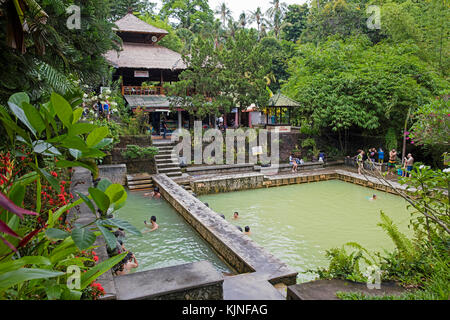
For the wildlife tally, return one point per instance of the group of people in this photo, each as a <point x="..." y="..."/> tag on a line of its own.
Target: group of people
<point x="295" y="162"/>
<point x="235" y="217"/>
<point x="246" y="228"/>
<point x="102" y="110"/>
<point x="129" y="262"/>
<point x="373" y="155"/>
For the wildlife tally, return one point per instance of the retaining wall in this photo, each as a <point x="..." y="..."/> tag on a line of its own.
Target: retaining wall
<point x="116" y="173"/>
<point x="228" y="183"/>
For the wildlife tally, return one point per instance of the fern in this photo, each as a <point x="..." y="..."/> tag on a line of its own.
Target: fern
<point x="52" y="78"/>
<point x="403" y="244"/>
<point x="357" y="246"/>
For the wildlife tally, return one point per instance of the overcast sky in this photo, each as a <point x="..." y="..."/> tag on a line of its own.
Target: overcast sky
<point x="237" y="6"/>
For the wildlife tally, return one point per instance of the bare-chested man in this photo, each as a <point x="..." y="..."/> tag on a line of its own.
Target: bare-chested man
<point x="409" y="161"/>
<point x="152" y="226"/>
<point x="392" y="161"/>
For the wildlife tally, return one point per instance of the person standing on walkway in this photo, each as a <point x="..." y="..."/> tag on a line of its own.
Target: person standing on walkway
<point x="392" y="161"/>
<point x="360" y="160"/>
<point x="164" y="126"/>
<point x="409" y="161"/>
<point x="380" y="155"/>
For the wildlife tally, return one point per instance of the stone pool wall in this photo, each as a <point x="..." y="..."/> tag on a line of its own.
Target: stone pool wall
<point x="365" y="181"/>
<point x="237" y="249"/>
<point x="116" y="173"/>
<point x="227" y="183"/>
<point x="245" y="181"/>
<point x="191" y="281"/>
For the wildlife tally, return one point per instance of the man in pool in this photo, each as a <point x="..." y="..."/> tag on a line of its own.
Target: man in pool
<point x="374" y="197"/>
<point x="152" y="226"/>
<point x="247" y="230"/>
<point x="155" y="194"/>
<point x="236" y="215"/>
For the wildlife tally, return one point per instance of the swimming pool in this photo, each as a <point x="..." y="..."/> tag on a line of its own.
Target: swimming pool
<point x="174" y="243"/>
<point x="298" y="223"/>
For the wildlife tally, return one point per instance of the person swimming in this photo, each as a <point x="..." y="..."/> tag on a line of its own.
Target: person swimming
<point x="374" y="197"/>
<point x="236" y="215"/>
<point x="152" y="226"/>
<point x="247" y="230"/>
<point x="155" y="194"/>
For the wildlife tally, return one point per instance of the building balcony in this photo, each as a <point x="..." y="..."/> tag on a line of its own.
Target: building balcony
<point x="143" y="90"/>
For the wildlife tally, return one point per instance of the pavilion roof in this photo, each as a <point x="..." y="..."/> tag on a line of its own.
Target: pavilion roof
<point x="145" y="56"/>
<point x="280" y="100"/>
<point x="131" y="23"/>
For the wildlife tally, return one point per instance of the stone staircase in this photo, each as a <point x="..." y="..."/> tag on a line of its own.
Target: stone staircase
<point x="163" y="161"/>
<point x="140" y="181"/>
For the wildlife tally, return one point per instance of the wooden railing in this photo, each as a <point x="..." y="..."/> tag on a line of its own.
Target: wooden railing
<point x="142" y="90"/>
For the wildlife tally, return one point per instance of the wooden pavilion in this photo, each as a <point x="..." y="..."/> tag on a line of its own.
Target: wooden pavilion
<point x="141" y="60"/>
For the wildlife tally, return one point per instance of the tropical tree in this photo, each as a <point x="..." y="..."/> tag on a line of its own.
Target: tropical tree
<point x="245" y="63"/>
<point x="257" y="16"/>
<point x="295" y="22"/>
<point x="352" y="85"/>
<point x="200" y="86"/>
<point x="119" y="8"/>
<point x="243" y="20"/>
<point x="224" y="12"/>
<point x="276" y="15"/>
<point x="53" y="50"/>
<point x="172" y="40"/>
<point x="189" y="14"/>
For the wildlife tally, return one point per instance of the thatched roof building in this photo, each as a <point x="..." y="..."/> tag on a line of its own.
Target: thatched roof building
<point x="142" y="58"/>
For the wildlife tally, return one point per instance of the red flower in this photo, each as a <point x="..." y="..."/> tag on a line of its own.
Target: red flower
<point x="53" y="173"/>
<point x="94" y="253"/>
<point x="95" y="258"/>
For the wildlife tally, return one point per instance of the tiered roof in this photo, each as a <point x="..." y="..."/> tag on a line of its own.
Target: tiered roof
<point x="143" y="55"/>
<point x="131" y="23"/>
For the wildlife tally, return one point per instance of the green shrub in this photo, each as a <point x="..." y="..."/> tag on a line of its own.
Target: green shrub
<point x="136" y="152"/>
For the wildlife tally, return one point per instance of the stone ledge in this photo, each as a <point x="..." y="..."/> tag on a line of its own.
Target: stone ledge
<point x="176" y="281"/>
<point x="219" y="167"/>
<point x="326" y="289"/>
<point x="229" y="176"/>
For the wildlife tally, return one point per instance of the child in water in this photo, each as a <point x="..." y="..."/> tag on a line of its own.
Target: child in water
<point x="374" y="197"/>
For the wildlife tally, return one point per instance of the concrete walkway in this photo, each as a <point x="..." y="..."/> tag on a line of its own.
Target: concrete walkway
<point x="249" y="287"/>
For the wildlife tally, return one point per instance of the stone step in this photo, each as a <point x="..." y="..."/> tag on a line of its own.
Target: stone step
<point x="168" y="164"/>
<point x="140" y="187"/>
<point x="136" y="183"/>
<point x="164" y="152"/>
<point x="165" y="148"/>
<point x="138" y="177"/>
<point x="163" y="156"/>
<point x="174" y="174"/>
<point x="164" y="144"/>
<point x="167" y="170"/>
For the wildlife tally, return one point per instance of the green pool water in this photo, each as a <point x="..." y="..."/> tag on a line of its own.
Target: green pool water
<point x="298" y="223"/>
<point x="173" y="243"/>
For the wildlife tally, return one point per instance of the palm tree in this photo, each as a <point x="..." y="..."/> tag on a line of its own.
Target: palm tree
<point x="224" y="12"/>
<point x="257" y="16"/>
<point x="215" y="31"/>
<point x="242" y="20"/>
<point x="233" y="26"/>
<point x="276" y="14"/>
